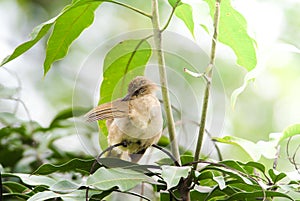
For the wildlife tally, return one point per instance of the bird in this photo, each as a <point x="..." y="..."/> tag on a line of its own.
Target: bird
<point x="135" y="120"/>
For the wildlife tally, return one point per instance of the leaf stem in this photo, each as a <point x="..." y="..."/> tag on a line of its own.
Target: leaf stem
<point x="208" y="84"/>
<point x="79" y="3"/>
<point x="171" y="15"/>
<point x="129" y="7"/>
<point x="163" y="80"/>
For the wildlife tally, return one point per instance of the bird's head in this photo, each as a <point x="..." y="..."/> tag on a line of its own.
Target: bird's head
<point x="140" y="86"/>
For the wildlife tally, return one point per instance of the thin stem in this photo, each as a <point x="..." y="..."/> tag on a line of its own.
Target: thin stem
<point x="126" y="6"/>
<point x="208" y="84"/>
<point x="133" y="53"/>
<point x="275" y="163"/>
<point x="220" y="157"/>
<point x="202" y="123"/>
<point x="292" y="159"/>
<point x="166" y="152"/>
<point x="134" y="194"/>
<point x="171" y="15"/>
<point x="163" y="80"/>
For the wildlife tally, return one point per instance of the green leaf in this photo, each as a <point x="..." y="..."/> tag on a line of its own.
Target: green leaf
<point x="290" y="132"/>
<point x="217" y="194"/>
<point x="250" y="76"/>
<point x="172" y="174"/>
<point x="186" y="159"/>
<point x="276" y="176"/>
<point x="67" y="28"/>
<point x="67" y="113"/>
<point x="45" y="195"/>
<point x="118" y="163"/>
<point x="249" y="147"/>
<point x="124" y="179"/>
<point x="203" y="175"/>
<point x="257" y="195"/>
<point x="239" y="186"/>
<point x="174" y="3"/>
<point x="234" y="165"/>
<point x="220" y="181"/>
<point x="77" y="195"/>
<point x="64" y="186"/>
<point x="185" y="13"/>
<point x="233" y="173"/>
<point x="233" y="32"/>
<point x="256" y="165"/>
<point x="122" y="63"/>
<point x="163" y="141"/>
<point x="100" y="196"/>
<point x="198" y="196"/>
<point x="75" y="164"/>
<point x="14" y="187"/>
<point x="165" y="161"/>
<point x="37" y="33"/>
<point x="32" y="180"/>
<point x="13" y="196"/>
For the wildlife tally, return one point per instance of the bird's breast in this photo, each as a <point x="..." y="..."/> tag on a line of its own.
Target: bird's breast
<point x="144" y="120"/>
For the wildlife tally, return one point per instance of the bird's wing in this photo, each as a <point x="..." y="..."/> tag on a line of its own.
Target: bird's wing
<point x="111" y="110"/>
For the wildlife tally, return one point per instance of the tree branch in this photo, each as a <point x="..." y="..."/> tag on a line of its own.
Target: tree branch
<point x="163" y="80"/>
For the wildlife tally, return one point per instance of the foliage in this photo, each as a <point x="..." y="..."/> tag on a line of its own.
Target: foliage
<point x="29" y="175"/>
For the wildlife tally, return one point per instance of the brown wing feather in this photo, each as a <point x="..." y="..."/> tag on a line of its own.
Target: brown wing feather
<point x="111" y="110"/>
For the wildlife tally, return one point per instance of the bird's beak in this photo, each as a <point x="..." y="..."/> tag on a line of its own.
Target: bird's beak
<point x="127" y="97"/>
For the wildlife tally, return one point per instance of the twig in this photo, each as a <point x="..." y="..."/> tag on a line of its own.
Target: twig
<point x="163" y="80"/>
<point x="220" y="157"/>
<point x="172" y="195"/>
<point x="103" y="152"/>
<point x="292" y="159"/>
<point x="275" y="163"/>
<point x="134" y="194"/>
<point x="14" y="74"/>
<point x="168" y="153"/>
<point x="208" y="84"/>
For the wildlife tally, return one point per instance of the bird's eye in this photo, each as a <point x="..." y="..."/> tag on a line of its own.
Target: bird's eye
<point x="139" y="91"/>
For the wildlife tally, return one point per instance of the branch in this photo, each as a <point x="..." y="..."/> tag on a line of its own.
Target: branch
<point x="163" y="80"/>
<point x="208" y="84"/>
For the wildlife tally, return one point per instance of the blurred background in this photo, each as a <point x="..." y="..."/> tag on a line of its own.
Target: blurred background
<point x="269" y="104"/>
